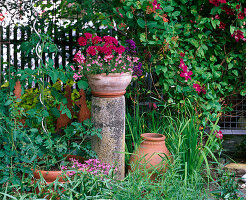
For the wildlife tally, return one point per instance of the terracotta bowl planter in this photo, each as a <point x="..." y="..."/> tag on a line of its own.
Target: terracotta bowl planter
<point x="151" y="153"/>
<point x="111" y="85"/>
<point x="51" y="176"/>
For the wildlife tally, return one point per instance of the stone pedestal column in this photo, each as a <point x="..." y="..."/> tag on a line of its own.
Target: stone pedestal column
<point x="109" y="115"/>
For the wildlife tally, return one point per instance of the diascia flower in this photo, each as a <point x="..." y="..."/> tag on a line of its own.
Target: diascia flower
<point x="103" y="55"/>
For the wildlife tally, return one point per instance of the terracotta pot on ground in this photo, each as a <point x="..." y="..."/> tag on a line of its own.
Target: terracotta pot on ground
<point x="151" y="153"/>
<point x="111" y="85"/>
<point x="50" y="176"/>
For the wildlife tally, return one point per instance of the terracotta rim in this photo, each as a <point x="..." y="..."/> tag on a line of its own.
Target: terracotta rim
<point x="108" y="94"/>
<point x="153" y="136"/>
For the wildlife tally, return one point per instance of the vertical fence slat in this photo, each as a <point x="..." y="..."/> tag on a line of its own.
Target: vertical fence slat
<point x="70" y="45"/>
<point x="15" y="48"/>
<point x="63" y="47"/>
<point x="8" y="48"/>
<point x="1" y="54"/>
<point x="22" y="54"/>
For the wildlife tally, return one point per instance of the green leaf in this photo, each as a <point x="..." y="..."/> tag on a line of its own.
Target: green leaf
<point x="168" y="9"/>
<point x="243" y="92"/>
<point x="235" y="72"/>
<point x="230" y="66"/>
<point x="151" y="24"/>
<point x="54" y="76"/>
<point x="82" y="85"/>
<point x="232" y="29"/>
<point x="176" y="13"/>
<point x="141" y="22"/>
<point x="129" y="14"/>
<point x="52" y="48"/>
<point x="55" y="112"/>
<point x="194" y="42"/>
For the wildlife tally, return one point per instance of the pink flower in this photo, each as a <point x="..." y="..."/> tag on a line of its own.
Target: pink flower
<point x="155" y="5"/>
<point x="216" y="16"/>
<point x="240" y="15"/>
<point x="237" y="6"/>
<point x="88" y="35"/>
<point x="72" y="67"/>
<point x="186" y="75"/>
<point x="82" y="41"/>
<point x="219" y="134"/>
<point x="197" y="87"/>
<point x="182" y="54"/>
<point x="79" y="58"/>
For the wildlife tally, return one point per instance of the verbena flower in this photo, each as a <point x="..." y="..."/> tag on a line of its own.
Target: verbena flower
<point x="103" y="55"/>
<point x="137" y="70"/>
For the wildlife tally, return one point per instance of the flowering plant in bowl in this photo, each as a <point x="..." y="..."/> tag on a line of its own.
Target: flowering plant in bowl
<point x="107" y="65"/>
<point x="92" y="166"/>
<point x="102" y="55"/>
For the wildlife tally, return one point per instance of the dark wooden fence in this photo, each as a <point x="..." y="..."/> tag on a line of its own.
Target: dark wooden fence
<point x="12" y="37"/>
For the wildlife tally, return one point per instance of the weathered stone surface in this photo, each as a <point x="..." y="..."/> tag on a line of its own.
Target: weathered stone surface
<point x="239" y="168"/>
<point x="109" y="115"/>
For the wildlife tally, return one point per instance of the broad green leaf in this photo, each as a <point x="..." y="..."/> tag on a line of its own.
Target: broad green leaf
<point x="129" y="14"/>
<point x="235" y="72"/>
<point x="141" y="22"/>
<point x="168" y="9"/>
<point x="230" y="66"/>
<point x="151" y="24"/>
<point x="82" y="85"/>
<point x="176" y="13"/>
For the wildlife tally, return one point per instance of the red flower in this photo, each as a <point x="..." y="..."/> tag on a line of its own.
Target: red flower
<point x="197" y="87"/>
<point x="82" y="41"/>
<point x="238" y="35"/>
<point x="88" y="35"/>
<point x="203" y="89"/>
<point x="91" y="50"/>
<point x="96" y="39"/>
<point x="110" y="40"/>
<point x="238" y="6"/>
<point x="120" y="49"/>
<point x="222" y="25"/>
<point x="240" y="15"/>
<point x="182" y="54"/>
<point x="228" y="11"/>
<point x="217" y="2"/>
<point x="1" y="17"/>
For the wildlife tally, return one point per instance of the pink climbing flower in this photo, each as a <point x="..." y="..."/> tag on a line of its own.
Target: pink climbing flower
<point x="219" y="134"/>
<point x="186" y="75"/>
<point x="156" y="5"/>
<point x="197" y="87"/>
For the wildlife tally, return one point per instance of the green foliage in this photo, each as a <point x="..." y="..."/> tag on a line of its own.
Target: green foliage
<point x="226" y="185"/>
